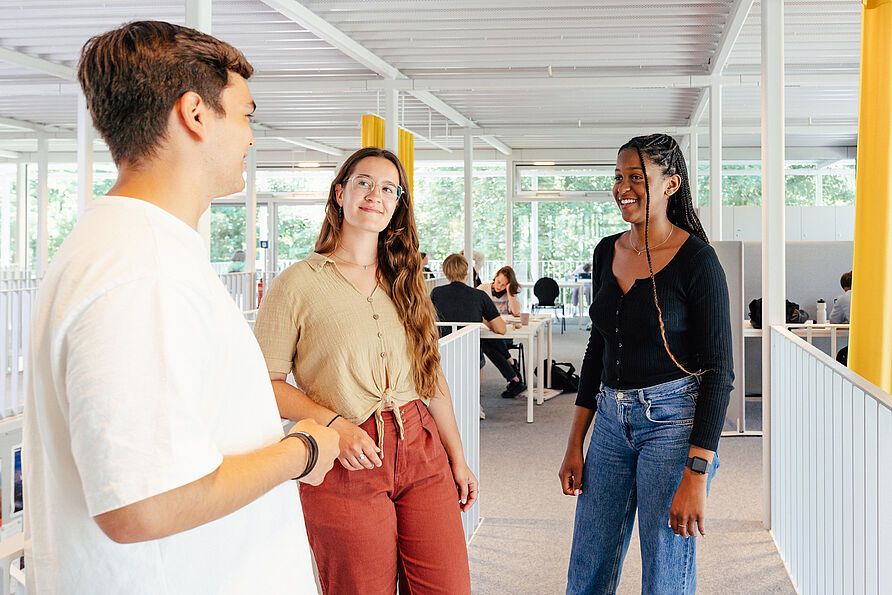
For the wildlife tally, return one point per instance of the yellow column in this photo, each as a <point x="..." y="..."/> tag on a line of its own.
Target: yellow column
<point x="372" y="131"/>
<point x="407" y="157"/>
<point x="870" y="346"/>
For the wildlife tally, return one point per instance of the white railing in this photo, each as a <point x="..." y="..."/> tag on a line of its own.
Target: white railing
<point x="460" y="360"/>
<point x="241" y="287"/>
<point x="15" y="318"/>
<point x="831" y="471"/>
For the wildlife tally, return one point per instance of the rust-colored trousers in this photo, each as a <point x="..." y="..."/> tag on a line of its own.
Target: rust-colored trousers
<point x="403" y="518"/>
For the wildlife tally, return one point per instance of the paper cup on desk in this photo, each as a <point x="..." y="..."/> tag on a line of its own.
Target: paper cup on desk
<point x="524" y="318"/>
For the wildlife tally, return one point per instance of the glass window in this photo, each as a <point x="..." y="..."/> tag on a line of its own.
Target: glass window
<point x="295" y="180"/>
<point x="839" y="190"/>
<point x="565" y="178"/>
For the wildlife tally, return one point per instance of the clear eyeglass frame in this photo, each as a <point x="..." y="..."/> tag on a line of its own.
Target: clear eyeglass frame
<point x="366" y="185"/>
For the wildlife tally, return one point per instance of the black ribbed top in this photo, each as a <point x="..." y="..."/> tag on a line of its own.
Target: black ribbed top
<point x="626" y="351"/>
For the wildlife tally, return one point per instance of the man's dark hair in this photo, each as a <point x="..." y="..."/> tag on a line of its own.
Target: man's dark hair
<point x="846" y="281"/>
<point x="133" y="75"/>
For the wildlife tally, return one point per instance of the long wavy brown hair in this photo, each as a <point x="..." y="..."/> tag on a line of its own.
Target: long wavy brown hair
<point x="399" y="269"/>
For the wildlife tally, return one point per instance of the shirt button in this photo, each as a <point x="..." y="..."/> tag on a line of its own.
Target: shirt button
<point x="369" y="299"/>
<point x="617" y="312"/>
<point x="383" y="354"/>
<point x="617" y="329"/>
<point x="375" y="316"/>
<point x="380" y="334"/>
<point x="617" y="362"/>
<point x="620" y="344"/>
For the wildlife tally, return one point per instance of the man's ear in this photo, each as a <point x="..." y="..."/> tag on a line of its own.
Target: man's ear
<point x="192" y="113"/>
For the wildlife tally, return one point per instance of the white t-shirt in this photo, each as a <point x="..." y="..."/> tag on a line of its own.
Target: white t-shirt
<point x="143" y="375"/>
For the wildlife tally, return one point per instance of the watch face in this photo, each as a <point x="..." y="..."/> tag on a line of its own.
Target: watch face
<point x="699" y="465"/>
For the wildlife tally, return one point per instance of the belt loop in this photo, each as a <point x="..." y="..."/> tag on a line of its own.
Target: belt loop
<point x="641" y="397"/>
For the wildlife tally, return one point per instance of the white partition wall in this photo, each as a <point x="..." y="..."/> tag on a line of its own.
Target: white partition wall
<point x="460" y="360"/>
<point x="831" y="471"/>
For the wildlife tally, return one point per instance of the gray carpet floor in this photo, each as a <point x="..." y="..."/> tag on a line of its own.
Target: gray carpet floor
<point x="523" y="543"/>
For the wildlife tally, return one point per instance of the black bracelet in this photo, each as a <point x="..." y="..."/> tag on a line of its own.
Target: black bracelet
<point x="312" y="451"/>
<point x="328" y="425"/>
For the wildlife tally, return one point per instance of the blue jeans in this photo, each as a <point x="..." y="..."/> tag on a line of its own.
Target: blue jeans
<point x="635" y="461"/>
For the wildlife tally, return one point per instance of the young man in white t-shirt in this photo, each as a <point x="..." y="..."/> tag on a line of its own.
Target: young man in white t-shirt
<point x="154" y="455"/>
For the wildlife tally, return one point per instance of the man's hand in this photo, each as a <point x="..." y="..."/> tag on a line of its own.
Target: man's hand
<point x="356" y="449"/>
<point x="327" y="441"/>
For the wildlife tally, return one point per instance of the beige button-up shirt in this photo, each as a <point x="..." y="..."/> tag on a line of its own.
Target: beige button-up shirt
<point x="348" y="351"/>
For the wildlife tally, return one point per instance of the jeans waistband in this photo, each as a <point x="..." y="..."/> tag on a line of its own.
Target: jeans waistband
<point x="664" y="390"/>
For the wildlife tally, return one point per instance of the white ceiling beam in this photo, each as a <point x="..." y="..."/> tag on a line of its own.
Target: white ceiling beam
<point x="309" y="87"/>
<point x="327" y="32"/>
<point x="731" y="31"/>
<point x="343" y="42"/>
<point x="38" y="64"/>
<point x="700" y="108"/>
<point x="261" y="131"/>
<point x="9" y="154"/>
<point x="26" y="125"/>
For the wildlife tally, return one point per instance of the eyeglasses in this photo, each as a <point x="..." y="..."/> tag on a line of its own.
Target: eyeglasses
<point x="366" y="185"/>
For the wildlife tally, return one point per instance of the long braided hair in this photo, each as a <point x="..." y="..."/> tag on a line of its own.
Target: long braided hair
<point x="663" y="151"/>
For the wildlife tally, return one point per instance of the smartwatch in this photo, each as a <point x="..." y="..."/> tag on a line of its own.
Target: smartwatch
<point x="697" y="465"/>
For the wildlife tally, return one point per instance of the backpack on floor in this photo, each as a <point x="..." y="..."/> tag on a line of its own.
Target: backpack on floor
<point x="564" y="378"/>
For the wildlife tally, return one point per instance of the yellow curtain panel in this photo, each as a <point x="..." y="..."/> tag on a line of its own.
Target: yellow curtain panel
<point x="407" y="157"/>
<point x="870" y="346"/>
<point x="372" y="131"/>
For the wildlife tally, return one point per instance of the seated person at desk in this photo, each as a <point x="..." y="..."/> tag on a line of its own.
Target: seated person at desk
<point x="503" y="292"/>
<point x="583" y="271"/>
<point x="841" y="305"/>
<point x="457" y="302"/>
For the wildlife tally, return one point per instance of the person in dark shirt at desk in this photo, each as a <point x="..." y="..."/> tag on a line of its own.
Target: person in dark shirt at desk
<point x="458" y="302"/>
<point x="658" y="371"/>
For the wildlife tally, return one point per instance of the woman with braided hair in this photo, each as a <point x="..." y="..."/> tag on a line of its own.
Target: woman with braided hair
<point x="658" y="371"/>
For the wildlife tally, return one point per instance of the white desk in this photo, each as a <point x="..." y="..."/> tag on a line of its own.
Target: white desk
<point x="807" y="331"/>
<point x="533" y="335"/>
<point x="580" y="285"/>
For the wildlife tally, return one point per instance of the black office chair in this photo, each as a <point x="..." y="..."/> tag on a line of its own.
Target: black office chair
<point x="546" y="291"/>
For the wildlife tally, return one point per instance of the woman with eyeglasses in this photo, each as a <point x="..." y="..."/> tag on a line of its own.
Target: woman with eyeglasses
<point x="658" y="372"/>
<point x="354" y="323"/>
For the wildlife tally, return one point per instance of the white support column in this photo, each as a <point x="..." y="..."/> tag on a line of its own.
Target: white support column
<point x="509" y="212"/>
<point x="198" y="16"/>
<point x="715" y="161"/>
<point x="694" y="169"/>
<point x="84" y="155"/>
<point x="251" y="224"/>
<point x="773" y="233"/>
<point x="534" y="241"/>
<point x="5" y="218"/>
<point x="391" y="120"/>
<point x="469" y="205"/>
<point x="21" y="216"/>
<point x="272" y="234"/>
<point x="43" y="197"/>
<point x="819" y="190"/>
